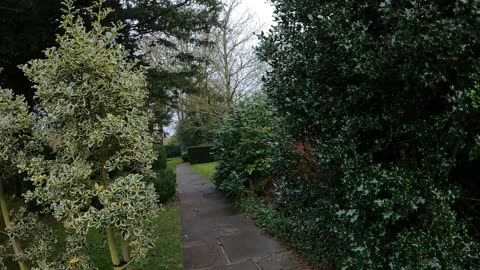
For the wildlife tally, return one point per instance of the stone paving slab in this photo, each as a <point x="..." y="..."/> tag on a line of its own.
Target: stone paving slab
<point x="202" y="254"/>
<point x="249" y="244"/>
<point x="217" y="236"/>
<point x="248" y="265"/>
<point x="280" y="261"/>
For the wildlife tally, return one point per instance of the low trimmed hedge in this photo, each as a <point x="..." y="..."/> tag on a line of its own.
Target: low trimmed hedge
<point x="173" y="151"/>
<point x="200" y="153"/>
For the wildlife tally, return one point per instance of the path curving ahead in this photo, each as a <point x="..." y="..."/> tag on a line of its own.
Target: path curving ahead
<point x="217" y="236"/>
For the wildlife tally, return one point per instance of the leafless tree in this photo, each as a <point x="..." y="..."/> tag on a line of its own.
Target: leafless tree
<point x="235" y="71"/>
<point x="231" y="73"/>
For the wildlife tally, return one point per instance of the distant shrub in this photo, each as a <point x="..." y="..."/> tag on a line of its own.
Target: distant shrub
<point x="165" y="183"/>
<point x="161" y="162"/>
<point x="184" y="156"/>
<point x="200" y="153"/>
<point x="173" y="151"/>
<point x="242" y="147"/>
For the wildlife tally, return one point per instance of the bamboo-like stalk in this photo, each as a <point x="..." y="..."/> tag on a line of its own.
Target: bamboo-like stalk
<point x="113" y="249"/>
<point x="126" y="253"/>
<point x="15" y="243"/>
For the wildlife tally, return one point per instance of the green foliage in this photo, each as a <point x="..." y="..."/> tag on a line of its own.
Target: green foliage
<point x="16" y="144"/>
<point x="93" y="99"/>
<point x="165" y="183"/>
<point x="269" y="218"/>
<point x="475" y="92"/>
<point x="173" y="151"/>
<point x="173" y="20"/>
<point x="185" y="156"/>
<point x="378" y="153"/>
<point x="28" y="28"/>
<point x="167" y="240"/>
<point x="15" y="131"/>
<point x="200" y="154"/>
<point x="161" y="162"/>
<point x="26" y="228"/>
<point x="242" y="148"/>
<point x="167" y="254"/>
<point x="195" y="130"/>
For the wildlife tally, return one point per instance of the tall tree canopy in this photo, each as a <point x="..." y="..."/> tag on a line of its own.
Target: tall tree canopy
<point x="28" y="27"/>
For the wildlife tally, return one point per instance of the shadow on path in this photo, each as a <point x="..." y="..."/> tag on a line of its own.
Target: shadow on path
<point x="217" y="236"/>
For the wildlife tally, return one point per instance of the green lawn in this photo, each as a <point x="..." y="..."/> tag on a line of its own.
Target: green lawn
<point x="167" y="253"/>
<point x="206" y="169"/>
<point x="173" y="162"/>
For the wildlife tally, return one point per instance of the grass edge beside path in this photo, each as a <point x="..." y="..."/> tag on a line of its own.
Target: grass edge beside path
<point x="173" y="162"/>
<point x="207" y="170"/>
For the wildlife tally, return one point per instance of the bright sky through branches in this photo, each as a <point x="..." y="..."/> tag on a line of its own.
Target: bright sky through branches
<point x="262" y="10"/>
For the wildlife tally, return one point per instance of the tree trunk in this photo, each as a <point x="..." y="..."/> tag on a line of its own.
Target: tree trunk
<point x="110" y="239"/>
<point x="125" y="252"/>
<point x="15" y="243"/>
<point x="113" y="249"/>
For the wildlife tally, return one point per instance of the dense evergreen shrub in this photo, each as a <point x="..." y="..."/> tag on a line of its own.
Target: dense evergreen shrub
<point x="173" y="151"/>
<point x="161" y="162"/>
<point x="242" y="146"/>
<point x="200" y="154"/>
<point x="184" y="156"/>
<point x="378" y="167"/>
<point x="165" y="183"/>
<point x="190" y="130"/>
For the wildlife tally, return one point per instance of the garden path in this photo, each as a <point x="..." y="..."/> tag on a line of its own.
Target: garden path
<point x="217" y="236"/>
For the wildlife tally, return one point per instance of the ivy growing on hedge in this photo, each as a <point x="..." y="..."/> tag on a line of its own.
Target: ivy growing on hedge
<point x="377" y="162"/>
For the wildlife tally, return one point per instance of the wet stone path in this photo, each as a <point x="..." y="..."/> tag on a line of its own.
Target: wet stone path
<point x="217" y="236"/>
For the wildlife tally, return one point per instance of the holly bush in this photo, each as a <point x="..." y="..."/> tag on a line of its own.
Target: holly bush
<point x="379" y="165"/>
<point x="93" y="100"/>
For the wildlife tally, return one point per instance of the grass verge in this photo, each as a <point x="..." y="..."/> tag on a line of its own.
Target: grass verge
<point x="173" y="162"/>
<point x="206" y="169"/>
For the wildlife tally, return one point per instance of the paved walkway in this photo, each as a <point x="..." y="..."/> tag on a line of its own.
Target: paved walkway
<point x="217" y="236"/>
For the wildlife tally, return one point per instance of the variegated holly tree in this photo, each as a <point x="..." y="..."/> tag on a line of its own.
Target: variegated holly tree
<point x="93" y="99"/>
<point x="15" y="127"/>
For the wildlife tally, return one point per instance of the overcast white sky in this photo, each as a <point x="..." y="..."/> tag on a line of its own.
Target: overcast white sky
<point x="261" y="9"/>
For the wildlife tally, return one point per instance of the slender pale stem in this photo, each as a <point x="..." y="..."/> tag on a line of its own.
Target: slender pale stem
<point x="110" y="239"/>
<point x="113" y="249"/>
<point x="15" y="243"/>
<point x="125" y="252"/>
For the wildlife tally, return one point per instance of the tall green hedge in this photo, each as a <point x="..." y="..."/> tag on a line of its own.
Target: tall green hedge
<point x="173" y="151"/>
<point x="200" y="153"/>
<point x="379" y="163"/>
